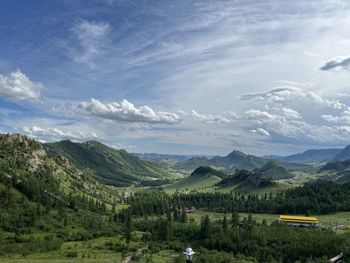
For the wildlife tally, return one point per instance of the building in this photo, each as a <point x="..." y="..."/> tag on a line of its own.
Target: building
<point x="190" y="209"/>
<point x="299" y="221"/>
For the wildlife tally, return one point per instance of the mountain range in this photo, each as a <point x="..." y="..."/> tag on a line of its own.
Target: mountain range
<point x="110" y="166"/>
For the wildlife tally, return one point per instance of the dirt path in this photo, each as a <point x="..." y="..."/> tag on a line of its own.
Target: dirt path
<point x="138" y="253"/>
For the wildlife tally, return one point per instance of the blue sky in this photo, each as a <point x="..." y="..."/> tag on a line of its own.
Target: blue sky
<point x="184" y="77"/>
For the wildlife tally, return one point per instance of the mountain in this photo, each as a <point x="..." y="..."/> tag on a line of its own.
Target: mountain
<point x="343" y="154"/>
<point x="314" y="156"/>
<point x="110" y="166"/>
<point x="49" y="198"/>
<point x="274" y="171"/>
<point x="28" y="165"/>
<point x="201" y="179"/>
<point x="203" y="171"/>
<point x="170" y="157"/>
<point x="244" y="178"/>
<point x="234" y="160"/>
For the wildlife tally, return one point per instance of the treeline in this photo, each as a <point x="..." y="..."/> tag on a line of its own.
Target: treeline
<point x="245" y="237"/>
<point x="320" y="197"/>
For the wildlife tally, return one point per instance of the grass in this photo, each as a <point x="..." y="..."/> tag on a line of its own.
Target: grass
<point x="95" y="250"/>
<point x="207" y="184"/>
<point x="199" y="183"/>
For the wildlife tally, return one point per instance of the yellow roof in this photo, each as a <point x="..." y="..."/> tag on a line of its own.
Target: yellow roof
<point x="306" y="219"/>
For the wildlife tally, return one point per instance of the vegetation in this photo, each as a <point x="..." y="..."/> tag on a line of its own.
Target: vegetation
<point x="51" y="208"/>
<point x="110" y="166"/>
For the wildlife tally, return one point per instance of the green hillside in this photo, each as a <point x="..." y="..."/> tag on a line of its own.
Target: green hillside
<point x="274" y="171"/>
<point x="202" y="179"/>
<point x="110" y="166"/>
<point x="46" y="200"/>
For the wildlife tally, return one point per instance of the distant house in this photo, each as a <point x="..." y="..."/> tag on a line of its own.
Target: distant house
<point x="190" y="209"/>
<point x="299" y="221"/>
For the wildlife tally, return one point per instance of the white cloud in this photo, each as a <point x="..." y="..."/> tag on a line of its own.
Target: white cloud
<point x="92" y="37"/>
<point x="340" y="63"/>
<point x="226" y="117"/>
<point x="290" y="113"/>
<point x="261" y="132"/>
<point x="127" y="112"/>
<point x="57" y="134"/>
<point x="17" y="86"/>
<point x="344" y="117"/>
<point x="258" y="115"/>
<point x="289" y="93"/>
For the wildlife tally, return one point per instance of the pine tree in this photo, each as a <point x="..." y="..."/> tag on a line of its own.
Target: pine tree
<point x="184" y="217"/>
<point x="127" y="228"/>
<point x="235" y="219"/>
<point x="224" y="224"/>
<point x="205" y="227"/>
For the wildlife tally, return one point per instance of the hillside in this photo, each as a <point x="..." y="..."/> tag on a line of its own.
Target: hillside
<point x="39" y="193"/>
<point x="343" y="155"/>
<point x="336" y="171"/>
<point x="110" y="166"/>
<point x="244" y="178"/>
<point x="313" y="156"/>
<point x="274" y="171"/>
<point x="201" y="179"/>
<point x="234" y="160"/>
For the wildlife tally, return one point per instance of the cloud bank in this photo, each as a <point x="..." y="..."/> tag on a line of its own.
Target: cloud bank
<point x="50" y="134"/>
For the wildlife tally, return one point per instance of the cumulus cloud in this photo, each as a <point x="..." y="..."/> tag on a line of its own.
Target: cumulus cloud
<point x="258" y="115"/>
<point x="226" y="117"/>
<point x="290" y="113"/>
<point x="288" y="93"/>
<point x="50" y="134"/>
<point x="126" y="111"/>
<point x="340" y="63"/>
<point x="261" y="132"/>
<point x="17" y="86"/>
<point x="92" y="37"/>
<point x="344" y="117"/>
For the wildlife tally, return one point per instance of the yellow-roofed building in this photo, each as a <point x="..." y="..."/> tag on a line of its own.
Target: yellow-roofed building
<point x="300" y="221"/>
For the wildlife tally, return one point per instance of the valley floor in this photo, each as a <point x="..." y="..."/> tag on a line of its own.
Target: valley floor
<point x="106" y="249"/>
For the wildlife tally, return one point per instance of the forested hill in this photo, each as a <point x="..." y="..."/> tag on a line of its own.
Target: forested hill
<point x="274" y="171"/>
<point x="115" y="167"/>
<point x="234" y="160"/>
<point x="46" y="200"/>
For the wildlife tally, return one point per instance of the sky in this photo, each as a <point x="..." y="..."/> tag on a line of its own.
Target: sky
<point x="181" y="77"/>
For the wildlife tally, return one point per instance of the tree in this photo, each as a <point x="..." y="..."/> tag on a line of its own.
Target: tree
<point x="235" y="219"/>
<point x="127" y="228"/>
<point x="224" y="224"/>
<point x="184" y="217"/>
<point x="205" y="227"/>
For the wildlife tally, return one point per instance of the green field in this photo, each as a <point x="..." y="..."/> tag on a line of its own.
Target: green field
<point x="208" y="183"/>
<point x="201" y="184"/>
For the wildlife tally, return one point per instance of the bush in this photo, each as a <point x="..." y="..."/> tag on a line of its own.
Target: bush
<point x="71" y="254"/>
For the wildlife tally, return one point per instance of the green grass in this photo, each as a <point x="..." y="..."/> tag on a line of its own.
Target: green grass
<point x="207" y="184"/>
<point x="203" y="183"/>
<point x="94" y="250"/>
